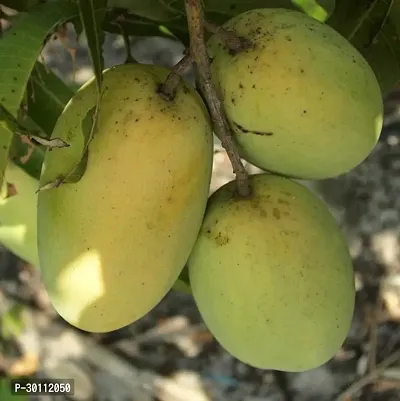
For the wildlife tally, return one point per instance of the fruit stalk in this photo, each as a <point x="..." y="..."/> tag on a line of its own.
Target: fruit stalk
<point x="195" y="18"/>
<point x="168" y="89"/>
<point x="235" y="43"/>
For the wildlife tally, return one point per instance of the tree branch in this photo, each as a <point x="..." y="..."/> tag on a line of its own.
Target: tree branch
<point x="370" y="377"/>
<point x="198" y="51"/>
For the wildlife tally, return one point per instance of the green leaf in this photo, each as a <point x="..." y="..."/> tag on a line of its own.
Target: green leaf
<point x="138" y="26"/>
<point x="92" y="14"/>
<point x="46" y="98"/>
<point x="21" y="46"/>
<point x="88" y="126"/>
<point x="142" y="17"/>
<point x="21" y="149"/>
<point x="26" y="154"/>
<point x="371" y="28"/>
<point x="19" y="5"/>
<point x="77" y="26"/>
<point x="156" y="10"/>
<point x="91" y="19"/>
<point x="5" y="391"/>
<point x="6" y="137"/>
<point x="320" y="10"/>
<point x="349" y="16"/>
<point x="221" y="10"/>
<point x="394" y="15"/>
<point x="182" y="284"/>
<point x="8" y="127"/>
<point x="12" y="322"/>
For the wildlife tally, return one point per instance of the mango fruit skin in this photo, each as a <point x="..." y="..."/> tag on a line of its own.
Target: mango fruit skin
<point x="18" y="218"/>
<point x="272" y="276"/>
<point x="18" y="223"/>
<point x="113" y="244"/>
<point x="302" y="102"/>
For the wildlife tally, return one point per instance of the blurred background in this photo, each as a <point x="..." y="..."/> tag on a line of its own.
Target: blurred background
<point x="169" y="355"/>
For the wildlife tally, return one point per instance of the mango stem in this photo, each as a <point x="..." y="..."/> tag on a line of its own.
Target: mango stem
<point x="168" y="89"/>
<point x="198" y="51"/>
<point x="234" y="43"/>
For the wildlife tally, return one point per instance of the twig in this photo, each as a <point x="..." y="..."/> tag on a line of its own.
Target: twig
<point x="195" y="18"/>
<point x="232" y="41"/>
<point x="373" y="336"/>
<point x="127" y="43"/>
<point x="370" y="377"/>
<point x="168" y="89"/>
<point x="371" y="317"/>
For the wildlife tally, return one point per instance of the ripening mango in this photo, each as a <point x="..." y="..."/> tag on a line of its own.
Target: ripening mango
<point x="18" y="213"/>
<point x="272" y="275"/>
<point x="113" y="244"/>
<point x="302" y="101"/>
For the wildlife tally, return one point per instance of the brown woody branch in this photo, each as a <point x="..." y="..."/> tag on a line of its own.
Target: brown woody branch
<point x="168" y="89"/>
<point x="198" y="51"/>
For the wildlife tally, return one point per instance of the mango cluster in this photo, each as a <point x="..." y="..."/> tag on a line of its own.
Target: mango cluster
<point x="271" y="273"/>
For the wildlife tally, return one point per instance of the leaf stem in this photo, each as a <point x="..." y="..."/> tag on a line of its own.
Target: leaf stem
<point x="195" y="19"/>
<point x="168" y="89"/>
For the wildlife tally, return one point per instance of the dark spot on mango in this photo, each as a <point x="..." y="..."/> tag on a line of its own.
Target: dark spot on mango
<point x="263" y="133"/>
<point x="282" y="202"/>
<point x="221" y="239"/>
<point x="276" y="213"/>
<point x="11" y="190"/>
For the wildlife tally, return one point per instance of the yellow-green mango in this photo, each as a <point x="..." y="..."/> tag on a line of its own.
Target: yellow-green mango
<point x="18" y="218"/>
<point x="272" y="276"/>
<point x="112" y="244"/>
<point x="18" y="213"/>
<point x="302" y="101"/>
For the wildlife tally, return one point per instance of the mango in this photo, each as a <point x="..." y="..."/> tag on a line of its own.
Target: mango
<point x="18" y="224"/>
<point x="302" y="101"/>
<point x="112" y="244"/>
<point x="272" y="276"/>
<point x="18" y="218"/>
